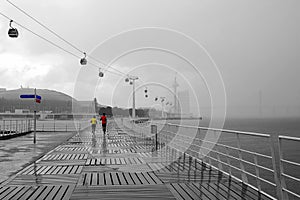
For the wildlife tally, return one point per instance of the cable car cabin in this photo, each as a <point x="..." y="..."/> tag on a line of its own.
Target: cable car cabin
<point x="13" y="33"/>
<point x="83" y="61"/>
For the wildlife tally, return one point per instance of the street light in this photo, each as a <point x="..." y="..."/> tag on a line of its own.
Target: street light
<point x="162" y="99"/>
<point x="131" y="80"/>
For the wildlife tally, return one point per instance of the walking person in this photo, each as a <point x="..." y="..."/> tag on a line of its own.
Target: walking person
<point x="93" y="122"/>
<point x="104" y="121"/>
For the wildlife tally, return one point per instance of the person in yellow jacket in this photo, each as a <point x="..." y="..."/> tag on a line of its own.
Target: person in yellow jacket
<point x="93" y="122"/>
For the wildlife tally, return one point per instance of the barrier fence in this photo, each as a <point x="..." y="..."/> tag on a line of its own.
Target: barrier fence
<point x="255" y="159"/>
<point x="13" y="127"/>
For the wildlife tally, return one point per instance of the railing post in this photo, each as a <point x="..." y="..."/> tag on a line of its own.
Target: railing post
<point x="154" y="131"/>
<point x="280" y="181"/>
<point x="228" y="161"/>
<point x="257" y="174"/>
<point x="244" y="176"/>
<point x="54" y="126"/>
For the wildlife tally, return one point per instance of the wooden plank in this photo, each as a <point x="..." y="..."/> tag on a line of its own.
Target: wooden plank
<point x="115" y="179"/>
<point x="112" y="161"/>
<point x="189" y="191"/>
<point x="227" y="191"/>
<point x="81" y="179"/>
<point x="62" y="170"/>
<point x="101" y="179"/>
<point x="69" y="192"/>
<point x="174" y="192"/>
<point x="98" y="161"/>
<point x="88" y="179"/>
<point x="118" y="161"/>
<point x="13" y="193"/>
<point x="181" y="191"/>
<point x="201" y="187"/>
<point x="108" y="180"/>
<point x="7" y="191"/>
<point x="135" y="178"/>
<point x="44" y="171"/>
<point x="27" y="194"/>
<point x="123" y="162"/>
<point x="148" y="178"/>
<point x="61" y="191"/>
<point x="57" y="169"/>
<point x="79" y="169"/>
<point x="37" y="193"/>
<point x="121" y="178"/>
<point x="142" y="178"/>
<point x="46" y="192"/>
<point x="128" y="179"/>
<point x="52" y="168"/>
<point x="74" y="169"/>
<point x="94" y="178"/>
<point x="154" y="177"/>
<point x="23" y="191"/>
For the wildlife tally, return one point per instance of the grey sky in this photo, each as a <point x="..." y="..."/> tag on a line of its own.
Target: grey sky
<point x="255" y="45"/>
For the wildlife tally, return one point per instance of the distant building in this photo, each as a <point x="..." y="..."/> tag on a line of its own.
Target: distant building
<point x="184" y="102"/>
<point x="21" y="111"/>
<point x="2" y="89"/>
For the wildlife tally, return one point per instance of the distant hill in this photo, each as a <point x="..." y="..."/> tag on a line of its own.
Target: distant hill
<point x="44" y="93"/>
<point x="51" y="100"/>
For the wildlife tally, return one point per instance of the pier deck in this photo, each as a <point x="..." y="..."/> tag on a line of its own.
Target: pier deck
<point x="119" y="166"/>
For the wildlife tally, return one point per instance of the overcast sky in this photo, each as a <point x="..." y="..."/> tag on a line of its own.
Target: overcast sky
<point x="251" y="46"/>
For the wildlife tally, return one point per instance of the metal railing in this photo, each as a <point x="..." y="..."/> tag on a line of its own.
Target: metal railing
<point x="289" y="182"/>
<point x="248" y="157"/>
<point x="61" y="125"/>
<point x="9" y="127"/>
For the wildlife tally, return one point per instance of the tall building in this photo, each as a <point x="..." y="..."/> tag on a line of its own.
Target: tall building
<point x="184" y="103"/>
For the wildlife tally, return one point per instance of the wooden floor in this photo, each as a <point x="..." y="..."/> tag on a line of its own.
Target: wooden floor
<point x="119" y="166"/>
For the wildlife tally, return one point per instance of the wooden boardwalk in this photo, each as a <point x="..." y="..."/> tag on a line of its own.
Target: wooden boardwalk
<point x="119" y="166"/>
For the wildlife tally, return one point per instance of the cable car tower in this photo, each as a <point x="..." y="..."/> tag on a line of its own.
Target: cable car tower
<point x="175" y="86"/>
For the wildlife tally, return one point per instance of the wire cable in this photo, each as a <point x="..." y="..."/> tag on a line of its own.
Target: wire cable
<point x="60" y="37"/>
<point x="44" y="26"/>
<point x="56" y="45"/>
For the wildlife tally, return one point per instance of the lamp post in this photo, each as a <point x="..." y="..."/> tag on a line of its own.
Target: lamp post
<point x="131" y="80"/>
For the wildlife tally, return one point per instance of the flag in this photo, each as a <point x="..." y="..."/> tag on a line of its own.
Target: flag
<point x="38" y="99"/>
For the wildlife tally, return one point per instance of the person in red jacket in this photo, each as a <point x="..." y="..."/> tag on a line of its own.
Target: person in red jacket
<point x="104" y="121"/>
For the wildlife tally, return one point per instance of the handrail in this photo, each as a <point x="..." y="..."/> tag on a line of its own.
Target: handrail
<point x="221" y="130"/>
<point x="181" y="143"/>
<point x="226" y="146"/>
<point x="283" y="174"/>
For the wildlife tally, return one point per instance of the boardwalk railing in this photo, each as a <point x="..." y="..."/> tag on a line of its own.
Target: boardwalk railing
<point x="13" y="127"/>
<point x="247" y="157"/>
<point x="61" y="125"/>
<point x="9" y="127"/>
<point x="289" y="167"/>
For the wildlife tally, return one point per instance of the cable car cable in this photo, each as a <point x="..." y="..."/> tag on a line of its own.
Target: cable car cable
<point x="60" y="37"/>
<point x="54" y="44"/>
